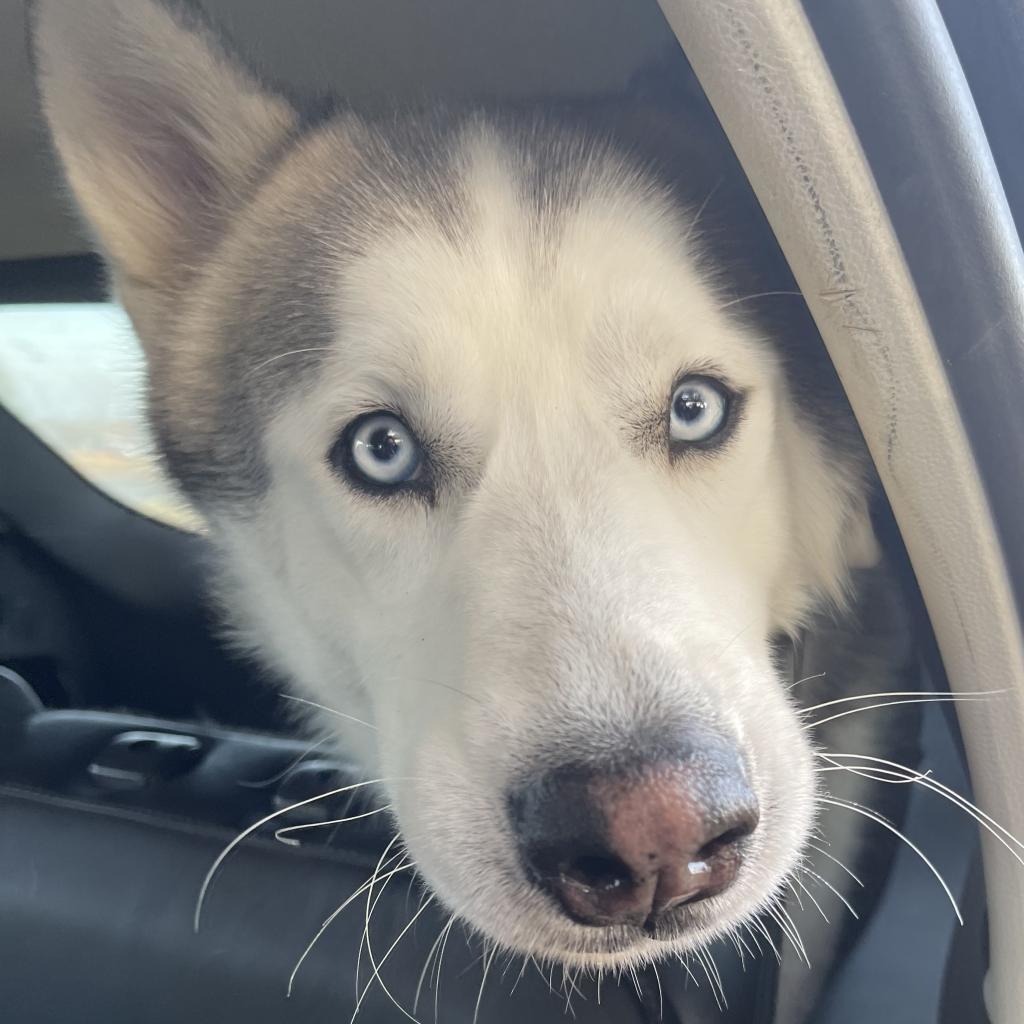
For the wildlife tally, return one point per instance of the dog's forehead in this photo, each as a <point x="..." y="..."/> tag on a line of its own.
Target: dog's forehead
<point x="530" y="266"/>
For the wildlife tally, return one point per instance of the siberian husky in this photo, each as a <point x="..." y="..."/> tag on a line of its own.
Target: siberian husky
<point x="497" y="466"/>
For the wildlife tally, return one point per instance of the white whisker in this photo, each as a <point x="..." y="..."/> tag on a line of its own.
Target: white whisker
<point x="835" y="860"/>
<point x="284" y="772"/>
<point x="335" y="914"/>
<point x="546" y="978"/>
<point x="796" y="895"/>
<point x="519" y="977"/>
<point x="810" y="896"/>
<point x="806" y="679"/>
<point x="681" y="957"/>
<point x="508" y="967"/>
<point x="786" y="923"/>
<point x="440" y="960"/>
<point x="330" y="711"/>
<point x="661" y="995"/>
<point x="255" y="827"/>
<point x="375" y="974"/>
<point x="435" y="946"/>
<point x="739" y="952"/>
<point x="743" y="943"/>
<point x="828" y="885"/>
<point x="483" y="981"/>
<point x="282" y="835"/>
<point x="950" y="699"/>
<point x="700" y="210"/>
<point x="718" y="978"/>
<point x="886" y="824"/>
<point x="759" y="295"/>
<point x="567" y="991"/>
<point x="875" y="774"/>
<point x="926" y="780"/>
<point x="699" y="954"/>
<point x="768" y="938"/>
<point x="364" y="939"/>
<point x="285" y="355"/>
<point x="636" y="984"/>
<point x="718" y="657"/>
<point x="918" y="694"/>
<point x="573" y="987"/>
<point x="377" y="965"/>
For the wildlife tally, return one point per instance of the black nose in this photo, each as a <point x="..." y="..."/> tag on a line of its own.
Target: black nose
<point x="624" y="844"/>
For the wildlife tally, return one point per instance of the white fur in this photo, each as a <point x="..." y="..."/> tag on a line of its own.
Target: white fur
<point x="577" y="579"/>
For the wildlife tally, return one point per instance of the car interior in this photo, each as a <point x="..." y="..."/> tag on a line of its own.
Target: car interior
<point x="139" y="748"/>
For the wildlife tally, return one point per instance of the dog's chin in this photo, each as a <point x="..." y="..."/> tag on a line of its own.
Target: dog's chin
<point x="535" y="928"/>
<point x="613" y="948"/>
<point x="621" y="946"/>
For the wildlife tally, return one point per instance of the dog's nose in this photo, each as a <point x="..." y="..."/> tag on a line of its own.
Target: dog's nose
<point x="625" y="846"/>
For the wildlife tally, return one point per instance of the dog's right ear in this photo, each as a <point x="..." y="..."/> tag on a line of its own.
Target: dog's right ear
<point x="162" y="132"/>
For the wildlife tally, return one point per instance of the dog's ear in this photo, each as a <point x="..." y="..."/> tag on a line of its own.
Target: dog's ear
<point x="161" y="131"/>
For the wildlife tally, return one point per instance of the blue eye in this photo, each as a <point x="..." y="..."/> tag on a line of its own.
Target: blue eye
<point x="379" y="450"/>
<point x="700" y="410"/>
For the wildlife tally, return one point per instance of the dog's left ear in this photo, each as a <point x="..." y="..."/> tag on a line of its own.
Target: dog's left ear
<point x="162" y="133"/>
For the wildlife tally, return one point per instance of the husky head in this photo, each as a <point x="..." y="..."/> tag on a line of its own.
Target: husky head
<point x="490" y="466"/>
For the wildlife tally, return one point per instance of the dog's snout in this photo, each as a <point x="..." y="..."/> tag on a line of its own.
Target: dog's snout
<point x="626" y="846"/>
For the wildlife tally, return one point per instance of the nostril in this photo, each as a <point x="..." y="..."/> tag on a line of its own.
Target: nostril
<point x="598" y="872"/>
<point x="728" y="838"/>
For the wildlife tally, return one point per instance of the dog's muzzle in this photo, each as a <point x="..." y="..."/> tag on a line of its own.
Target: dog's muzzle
<point x="625" y="842"/>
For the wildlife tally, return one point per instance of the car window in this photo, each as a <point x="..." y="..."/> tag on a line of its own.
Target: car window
<point x="73" y="373"/>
